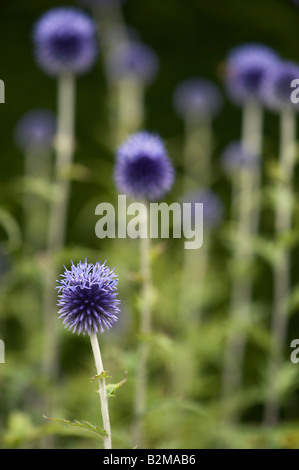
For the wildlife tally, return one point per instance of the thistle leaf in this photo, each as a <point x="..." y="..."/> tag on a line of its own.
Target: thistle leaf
<point x="84" y="425"/>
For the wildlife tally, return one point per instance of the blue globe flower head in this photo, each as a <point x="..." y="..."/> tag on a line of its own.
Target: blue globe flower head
<point x="276" y="86"/>
<point x="235" y="156"/>
<point x="65" y="40"/>
<point x="197" y="97"/>
<point x="35" y="131"/>
<point x="87" y="297"/>
<point x="245" y="69"/>
<point x="213" y="210"/>
<point x="133" y="59"/>
<point x="143" y="169"/>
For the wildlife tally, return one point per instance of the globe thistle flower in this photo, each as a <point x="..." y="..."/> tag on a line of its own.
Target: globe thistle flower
<point x="35" y="130"/>
<point x="143" y="169"/>
<point x="276" y="86"/>
<point x="212" y="206"/>
<point x="133" y="59"/>
<point x="87" y="297"/>
<point x="65" y="41"/>
<point x="245" y="68"/>
<point x="198" y="98"/>
<point x="235" y="156"/>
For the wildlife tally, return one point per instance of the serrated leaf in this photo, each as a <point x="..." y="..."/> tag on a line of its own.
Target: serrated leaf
<point x="85" y="425"/>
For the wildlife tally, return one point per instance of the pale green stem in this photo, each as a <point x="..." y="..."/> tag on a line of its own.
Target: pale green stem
<point x="197" y="174"/>
<point x="195" y="264"/>
<point x="113" y="34"/>
<point x="102" y="389"/>
<point x="129" y="108"/>
<point x="248" y="221"/>
<point x="64" y="159"/>
<point x="145" y="329"/>
<point x="197" y="153"/>
<point x="58" y="214"/>
<point x="283" y="224"/>
<point x="37" y="170"/>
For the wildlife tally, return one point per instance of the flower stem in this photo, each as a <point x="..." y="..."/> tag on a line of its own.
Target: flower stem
<point x="197" y="153"/>
<point x="102" y="389"/>
<point x="145" y="329"/>
<point x="283" y="223"/>
<point x="64" y="159"/>
<point x="248" y="221"/>
<point x="58" y="216"/>
<point x="37" y="167"/>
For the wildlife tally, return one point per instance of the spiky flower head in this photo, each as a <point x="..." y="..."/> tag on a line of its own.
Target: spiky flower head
<point x="276" y="86"/>
<point x="197" y="97"/>
<point x="133" y="60"/>
<point x="246" y="67"/>
<point x="87" y="298"/>
<point x="35" y="131"/>
<point x="212" y="206"/>
<point x="236" y="156"/>
<point x="143" y="169"/>
<point x="65" y="41"/>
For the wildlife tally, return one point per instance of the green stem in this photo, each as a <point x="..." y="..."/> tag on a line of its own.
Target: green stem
<point x="248" y="221"/>
<point x="58" y="216"/>
<point x="283" y="224"/>
<point x="102" y="389"/>
<point x="145" y="329"/>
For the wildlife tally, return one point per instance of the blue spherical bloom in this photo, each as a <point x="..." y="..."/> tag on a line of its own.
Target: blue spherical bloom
<point x="213" y="210"/>
<point x="235" y="156"/>
<point x="87" y="297"/>
<point x="276" y="86"/>
<point x="245" y="69"/>
<point x="133" y="59"/>
<point x="143" y="169"/>
<point x="36" y="130"/>
<point x="65" y="41"/>
<point x="197" y="97"/>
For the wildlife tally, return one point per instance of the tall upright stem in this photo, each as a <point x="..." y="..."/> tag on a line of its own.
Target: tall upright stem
<point x="197" y="153"/>
<point x="37" y="167"/>
<point x="58" y="213"/>
<point x="145" y="329"/>
<point x="248" y="222"/>
<point x="129" y="107"/>
<point x="197" y="173"/>
<point x="102" y="389"/>
<point x="283" y="223"/>
<point x="64" y="160"/>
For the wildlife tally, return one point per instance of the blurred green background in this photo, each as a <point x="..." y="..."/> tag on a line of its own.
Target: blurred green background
<point x="191" y="38"/>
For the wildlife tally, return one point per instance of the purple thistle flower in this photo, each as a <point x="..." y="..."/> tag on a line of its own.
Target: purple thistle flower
<point x="197" y="97"/>
<point x="276" y="86"/>
<point x="133" y="59"/>
<point x="143" y="169"/>
<point x="245" y="69"/>
<point x="212" y="206"/>
<point x="235" y="156"/>
<point x="35" y="130"/>
<point x="87" y="297"/>
<point x="65" y="41"/>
